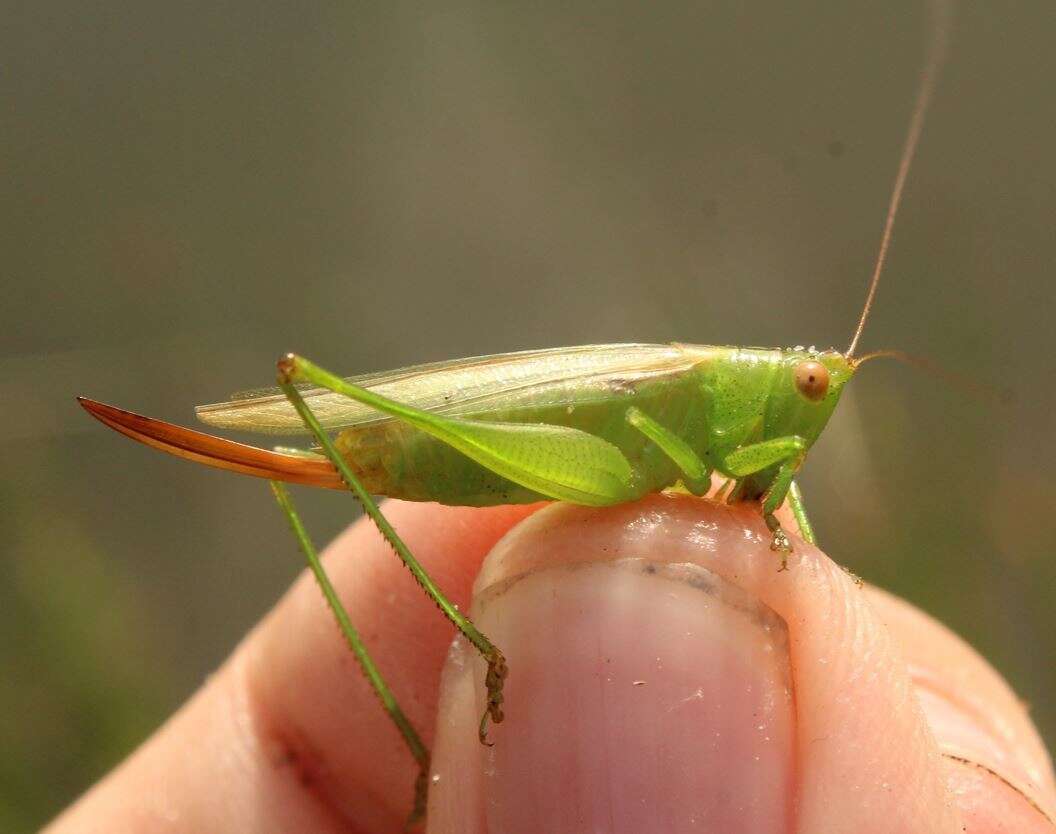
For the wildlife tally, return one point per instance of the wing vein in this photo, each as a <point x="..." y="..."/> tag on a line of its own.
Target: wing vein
<point x="476" y="386"/>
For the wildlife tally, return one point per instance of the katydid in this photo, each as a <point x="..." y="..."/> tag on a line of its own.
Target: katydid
<point x="595" y="425"/>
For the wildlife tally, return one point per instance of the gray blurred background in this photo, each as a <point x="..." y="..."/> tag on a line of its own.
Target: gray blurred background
<point x="191" y="189"/>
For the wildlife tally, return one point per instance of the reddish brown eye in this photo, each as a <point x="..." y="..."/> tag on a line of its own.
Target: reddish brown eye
<point x="812" y="380"/>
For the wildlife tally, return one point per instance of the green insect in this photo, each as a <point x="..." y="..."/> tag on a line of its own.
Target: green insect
<point x="595" y="425"/>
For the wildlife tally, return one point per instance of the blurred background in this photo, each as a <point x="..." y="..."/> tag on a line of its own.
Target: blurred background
<point x="192" y="189"/>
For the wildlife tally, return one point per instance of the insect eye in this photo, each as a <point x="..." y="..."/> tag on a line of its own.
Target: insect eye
<point x="812" y="380"/>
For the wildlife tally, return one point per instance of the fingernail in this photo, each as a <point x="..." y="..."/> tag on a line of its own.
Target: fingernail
<point x="642" y="697"/>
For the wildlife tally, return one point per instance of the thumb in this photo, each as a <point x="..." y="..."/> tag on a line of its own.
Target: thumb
<point x="666" y="677"/>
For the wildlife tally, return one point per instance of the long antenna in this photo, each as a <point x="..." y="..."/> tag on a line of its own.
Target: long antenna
<point x="941" y="14"/>
<point x="982" y="391"/>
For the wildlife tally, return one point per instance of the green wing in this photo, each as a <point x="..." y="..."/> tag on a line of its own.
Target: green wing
<point x="473" y="386"/>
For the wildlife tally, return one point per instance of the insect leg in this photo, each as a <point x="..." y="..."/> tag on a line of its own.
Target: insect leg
<point x="756" y="457"/>
<point x="795" y="502"/>
<point x="773" y="499"/>
<point x="786" y="451"/>
<point x="355" y="643"/>
<point x="697" y="476"/>
<point x="497" y="669"/>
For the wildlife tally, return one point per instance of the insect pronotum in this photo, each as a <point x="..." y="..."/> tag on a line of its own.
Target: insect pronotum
<point x="595" y="425"/>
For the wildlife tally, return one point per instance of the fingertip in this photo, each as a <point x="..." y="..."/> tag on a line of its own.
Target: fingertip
<point x="854" y="751"/>
<point x="634" y="683"/>
<point x="313" y="699"/>
<point x="993" y="753"/>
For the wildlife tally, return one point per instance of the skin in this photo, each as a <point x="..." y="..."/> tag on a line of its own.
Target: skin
<point x="895" y="725"/>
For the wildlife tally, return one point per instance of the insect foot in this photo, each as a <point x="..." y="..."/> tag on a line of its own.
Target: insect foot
<point x="416" y="820"/>
<point x="780" y="542"/>
<point x="493" y="682"/>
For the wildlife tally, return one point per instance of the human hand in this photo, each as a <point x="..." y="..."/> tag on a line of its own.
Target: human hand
<point x="665" y="677"/>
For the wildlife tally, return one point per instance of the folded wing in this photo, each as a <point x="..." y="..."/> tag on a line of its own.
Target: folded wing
<point x="463" y="386"/>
